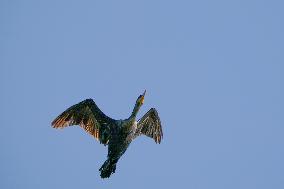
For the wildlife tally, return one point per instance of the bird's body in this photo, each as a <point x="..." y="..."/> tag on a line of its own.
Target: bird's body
<point x="117" y="134"/>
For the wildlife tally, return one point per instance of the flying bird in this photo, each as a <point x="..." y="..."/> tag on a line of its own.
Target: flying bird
<point x="116" y="134"/>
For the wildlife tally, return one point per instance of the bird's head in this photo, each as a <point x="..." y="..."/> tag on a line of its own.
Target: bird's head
<point x="138" y="104"/>
<point x="140" y="99"/>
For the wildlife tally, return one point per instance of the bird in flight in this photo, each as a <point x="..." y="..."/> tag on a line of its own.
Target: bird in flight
<point x="116" y="134"/>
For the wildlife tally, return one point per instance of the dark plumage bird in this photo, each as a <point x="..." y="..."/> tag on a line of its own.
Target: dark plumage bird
<point x="116" y="134"/>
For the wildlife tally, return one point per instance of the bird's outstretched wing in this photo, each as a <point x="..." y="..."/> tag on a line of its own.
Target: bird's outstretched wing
<point x="150" y="125"/>
<point x="89" y="117"/>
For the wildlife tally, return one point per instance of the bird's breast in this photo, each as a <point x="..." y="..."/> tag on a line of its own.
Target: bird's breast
<point x="128" y="131"/>
<point x="135" y="125"/>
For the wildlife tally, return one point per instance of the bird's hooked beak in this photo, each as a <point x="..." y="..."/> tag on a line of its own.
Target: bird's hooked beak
<point x="143" y="95"/>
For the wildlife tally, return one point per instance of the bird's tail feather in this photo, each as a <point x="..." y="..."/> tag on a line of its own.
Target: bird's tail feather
<point x="108" y="168"/>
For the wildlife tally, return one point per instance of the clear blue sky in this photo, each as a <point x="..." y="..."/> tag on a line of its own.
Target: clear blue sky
<point x="212" y="69"/>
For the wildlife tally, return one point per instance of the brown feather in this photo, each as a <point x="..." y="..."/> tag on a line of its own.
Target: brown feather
<point x="150" y="125"/>
<point x="87" y="115"/>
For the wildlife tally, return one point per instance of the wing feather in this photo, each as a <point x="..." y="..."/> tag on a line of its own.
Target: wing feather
<point x="87" y="115"/>
<point x="150" y="125"/>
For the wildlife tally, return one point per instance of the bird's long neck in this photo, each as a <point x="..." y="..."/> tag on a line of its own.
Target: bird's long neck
<point x="135" y="111"/>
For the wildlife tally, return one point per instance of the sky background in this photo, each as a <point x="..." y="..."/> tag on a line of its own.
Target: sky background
<point x="212" y="69"/>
